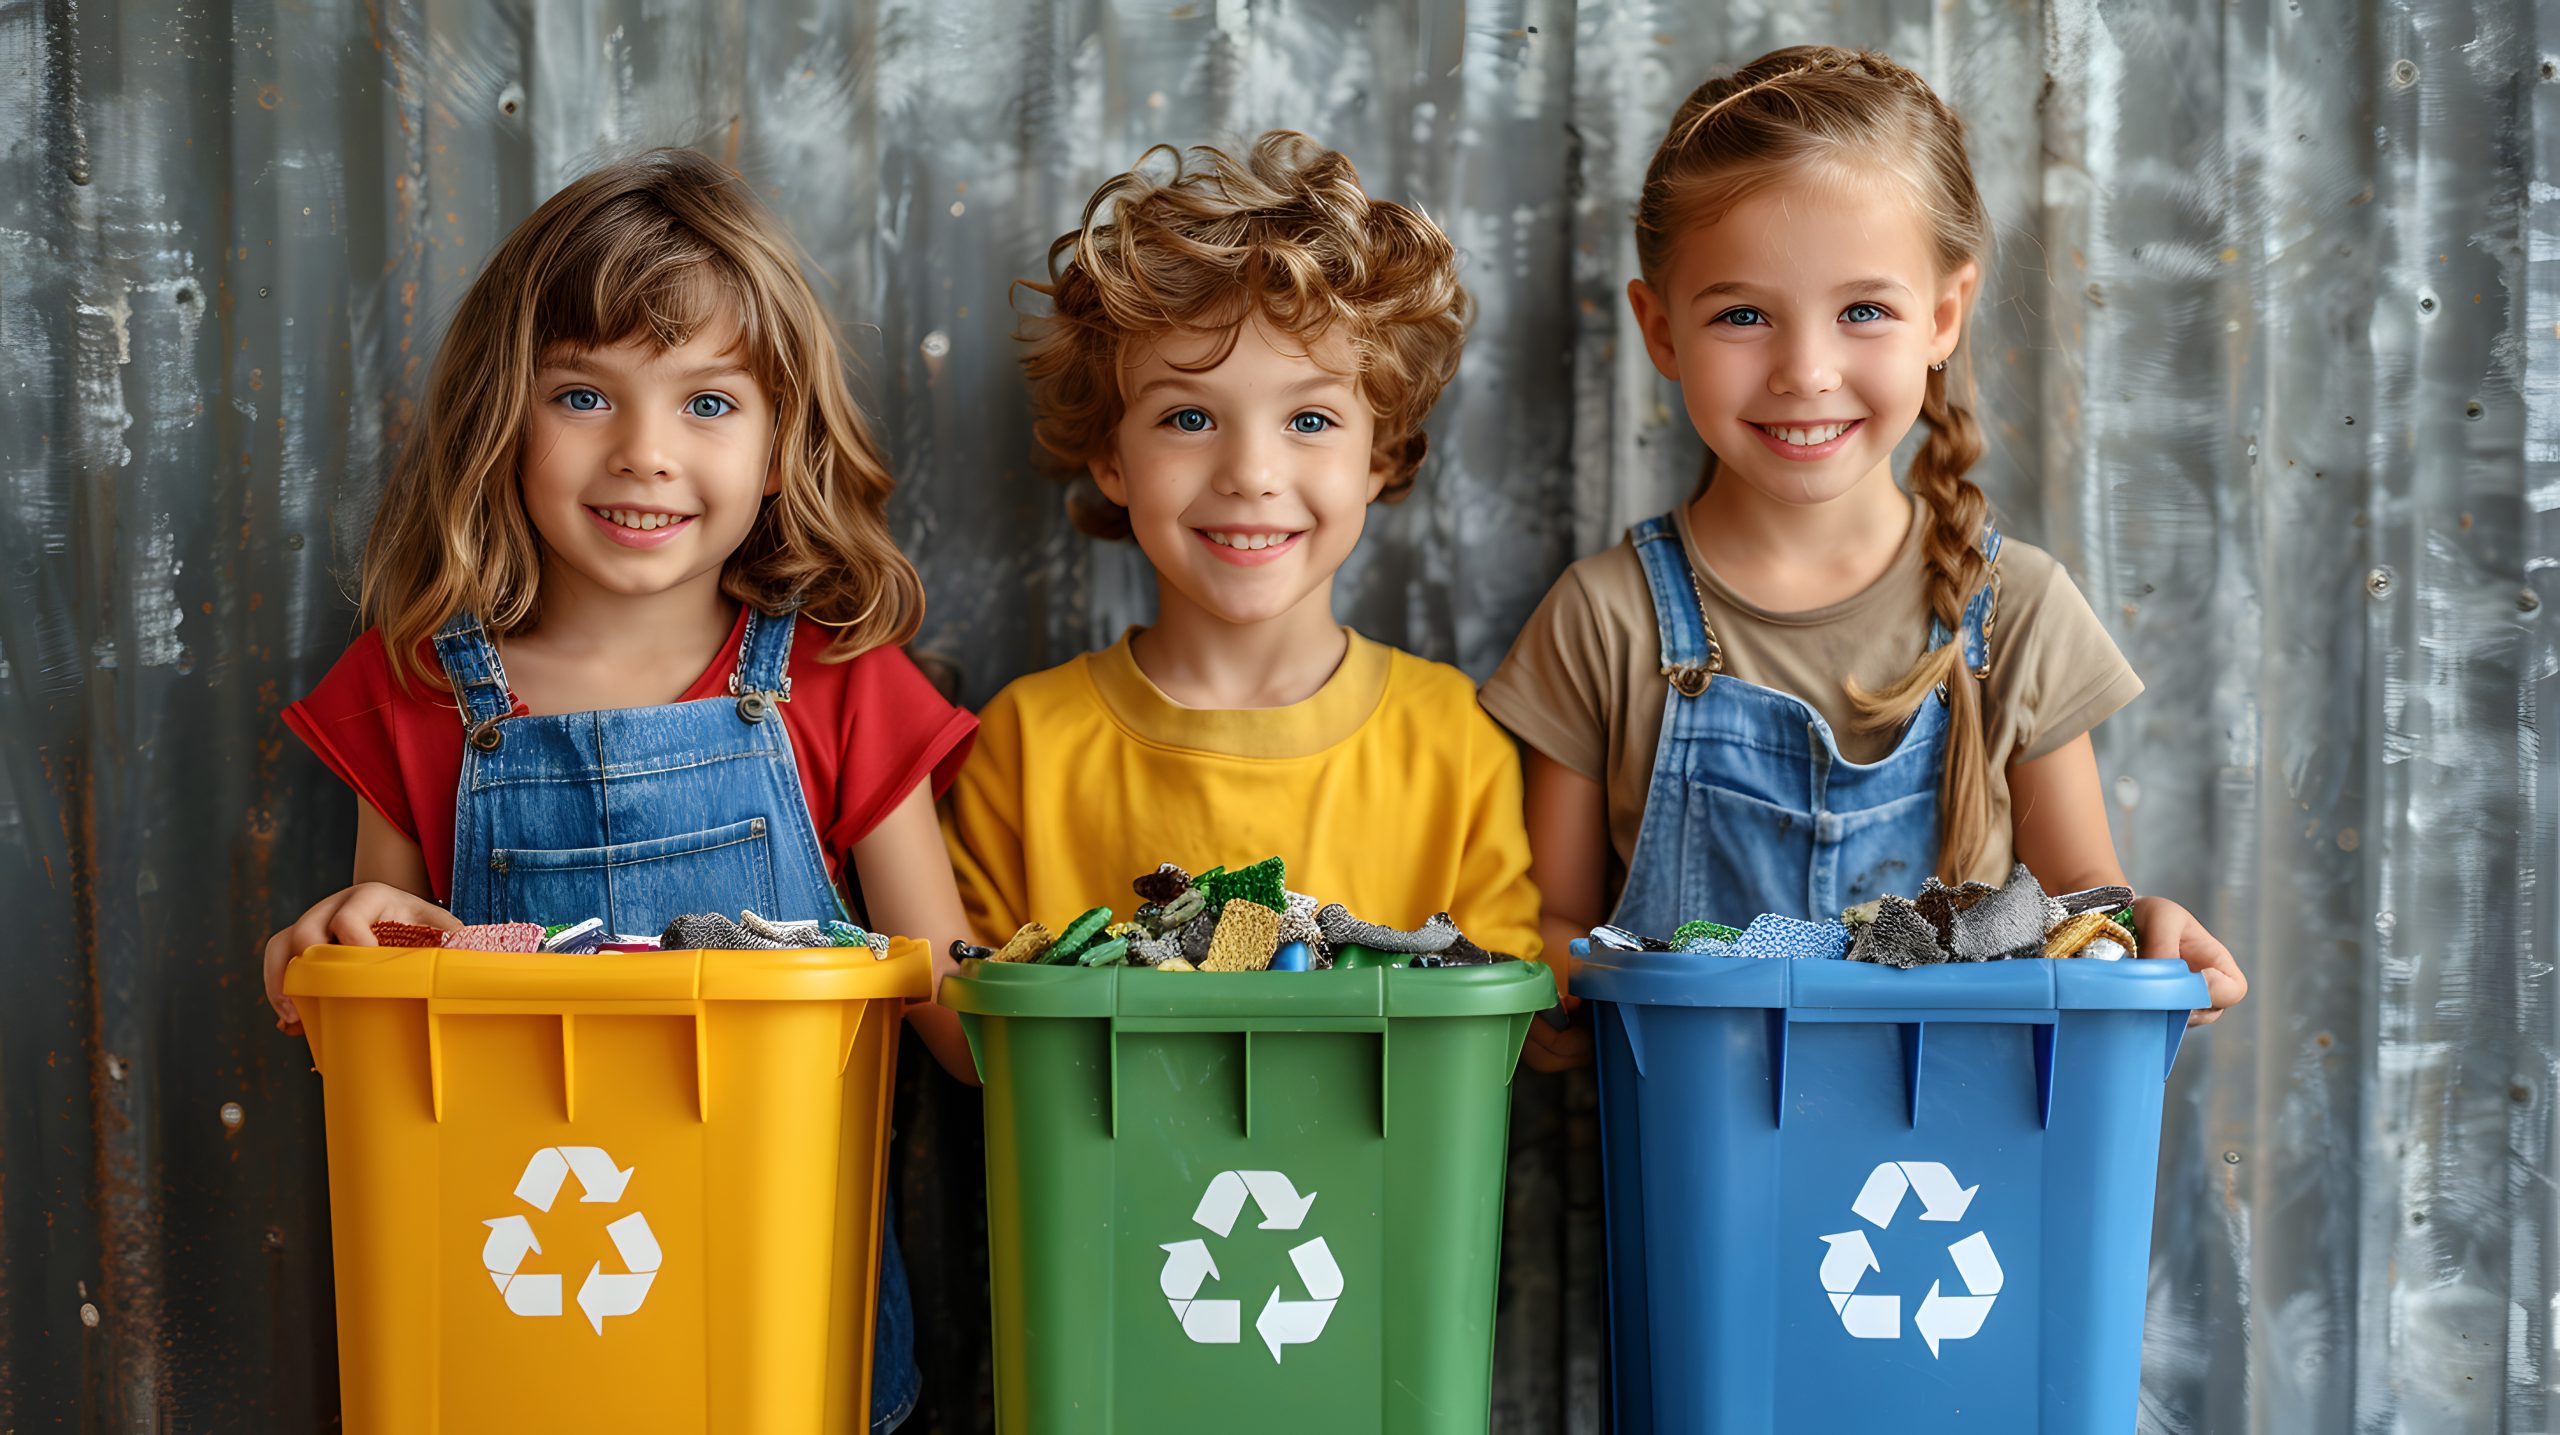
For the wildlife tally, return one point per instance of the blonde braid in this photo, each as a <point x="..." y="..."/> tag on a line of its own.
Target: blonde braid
<point x="1955" y="509"/>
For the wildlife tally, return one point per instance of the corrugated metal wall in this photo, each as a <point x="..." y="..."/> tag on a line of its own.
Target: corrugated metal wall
<point x="2272" y="357"/>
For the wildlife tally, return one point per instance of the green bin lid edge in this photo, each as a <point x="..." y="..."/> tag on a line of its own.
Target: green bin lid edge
<point x="1023" y="989"/>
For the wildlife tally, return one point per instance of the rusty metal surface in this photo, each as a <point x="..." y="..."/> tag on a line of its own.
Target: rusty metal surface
<point x="2271" y="357"/>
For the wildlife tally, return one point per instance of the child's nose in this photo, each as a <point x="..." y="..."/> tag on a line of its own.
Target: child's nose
<point x="1250" y="466"/>
<point x="640" y="447"/>
<point x="1805" y="366"/>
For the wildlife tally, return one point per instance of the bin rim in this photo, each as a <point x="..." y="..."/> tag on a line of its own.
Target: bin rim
<point x="444" y="974"/>
<point x="1813" y="983"/>
<point x="1028" y="989"/>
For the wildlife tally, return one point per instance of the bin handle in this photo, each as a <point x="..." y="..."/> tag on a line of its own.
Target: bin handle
<point x="568" y="1013"/>
<point x="1246" y="1028"/>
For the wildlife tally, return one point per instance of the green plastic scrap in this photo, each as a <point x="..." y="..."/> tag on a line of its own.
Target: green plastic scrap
<point x="1108" y="953"/>
<point x="1688" y="932"/>
<point x="1177" y="914"/>
<point x="1081" y="933"/>
<point x="1265" y="884"/>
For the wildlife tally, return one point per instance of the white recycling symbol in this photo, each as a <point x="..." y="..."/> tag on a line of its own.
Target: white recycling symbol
<point x="1188" y="1265"/>
<point x="1941" y="1317"/>
<point x="511" y="1238"/>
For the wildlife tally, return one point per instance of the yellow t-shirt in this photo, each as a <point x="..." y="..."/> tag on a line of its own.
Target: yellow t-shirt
<point x="1388" y="791"/>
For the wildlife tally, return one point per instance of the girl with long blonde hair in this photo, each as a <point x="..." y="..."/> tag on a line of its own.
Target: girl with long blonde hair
<point x="633" y="616"/>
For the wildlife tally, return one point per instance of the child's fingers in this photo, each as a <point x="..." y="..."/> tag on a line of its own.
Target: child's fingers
<point x="2205" y="955"/>
<point x="1548" y="1049"/>
<point x="280" y="951"/>
<point x="352" y="924"/>
<point x="309" y="930"/>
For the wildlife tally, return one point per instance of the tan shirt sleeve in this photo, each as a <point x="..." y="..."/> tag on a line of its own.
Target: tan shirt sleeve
<point x="2056" y="672"/>
<point x="1557" y="690"/>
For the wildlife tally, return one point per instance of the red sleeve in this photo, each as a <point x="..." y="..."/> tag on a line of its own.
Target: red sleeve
<point x="347" y="720"/>
<point x="898" y="731"/>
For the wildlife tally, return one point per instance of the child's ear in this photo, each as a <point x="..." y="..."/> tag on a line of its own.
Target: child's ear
<point x="1653" y="319"/>
<point x="1384" y="464"/>
<point x="1105" y="468"/>
<point x="1955" y="301"/>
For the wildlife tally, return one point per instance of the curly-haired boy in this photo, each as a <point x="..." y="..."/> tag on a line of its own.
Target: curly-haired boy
<point x="1240" y="355"/>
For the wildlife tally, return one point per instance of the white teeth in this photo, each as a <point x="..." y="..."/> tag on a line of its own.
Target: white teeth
<point x="1806" y="437"/>
<point x="640" y="522"/>
<point x="1247" y="542"/>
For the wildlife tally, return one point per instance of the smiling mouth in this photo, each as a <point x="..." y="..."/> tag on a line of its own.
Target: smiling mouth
<point x="641" y="520"/>
<point x="1809" y="435"/>
<point x="1245" y="542"/>
<point x="1248" y="550"/>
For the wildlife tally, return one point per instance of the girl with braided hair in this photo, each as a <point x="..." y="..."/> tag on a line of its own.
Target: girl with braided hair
<point x="1812" y="685"/>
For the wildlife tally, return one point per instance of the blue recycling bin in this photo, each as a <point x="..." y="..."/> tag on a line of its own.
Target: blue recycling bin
<point x="1847" y="1198"/>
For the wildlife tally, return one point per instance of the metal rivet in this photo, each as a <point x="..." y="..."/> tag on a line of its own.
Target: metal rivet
<point x="274" y="1239"/>
<point x="233" y="1115"/>
<point x="2426" y="303"/>
<point x="486" y="737"/>
<point x="2404" y="73"/>
<point x="756" y="827"/>
<point x="2231" y="1158"/>
<point x="2527" y="600"/>
<point x="88" y="1315"/>
<point x="2378" y="583"/>
<point x="936" y="345"/>
<point x="753" y="707"/>
<point x="2472" y="410"/>
<point x="262" y="291"/>
<point x="293" y="541"/>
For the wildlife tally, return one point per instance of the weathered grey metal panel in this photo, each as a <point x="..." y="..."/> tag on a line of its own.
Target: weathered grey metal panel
<point x="2270" y="353"/>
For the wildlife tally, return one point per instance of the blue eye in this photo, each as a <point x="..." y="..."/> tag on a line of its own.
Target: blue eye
<point x="1743" y="316"/>
<point x="708" y="406"/>
<point x="1189" y="420"/>
<point x="585" y="401"/>
<point x="1310" y="423"/>
<point x="1864" y="313"/>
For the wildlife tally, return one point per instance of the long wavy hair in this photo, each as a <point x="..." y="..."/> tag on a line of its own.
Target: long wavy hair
<point x="1285" y="232"/>
<point x="1819" y="110"/>
<point x="650" y="248"/>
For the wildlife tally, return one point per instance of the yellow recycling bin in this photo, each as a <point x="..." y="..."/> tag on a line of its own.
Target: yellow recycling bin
<point x="635" y="1192"/>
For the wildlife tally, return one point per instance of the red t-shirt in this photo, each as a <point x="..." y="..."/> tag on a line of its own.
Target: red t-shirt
<point x="863" y="733"/>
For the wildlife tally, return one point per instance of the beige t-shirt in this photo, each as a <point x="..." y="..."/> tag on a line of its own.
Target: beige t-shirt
<point x="1583" y="681"/>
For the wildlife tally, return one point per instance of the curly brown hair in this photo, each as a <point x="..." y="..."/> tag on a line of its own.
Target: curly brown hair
<point x="1285" y="232"/>
<point x="1818" y="109"/>
<point x="653" y="247"/>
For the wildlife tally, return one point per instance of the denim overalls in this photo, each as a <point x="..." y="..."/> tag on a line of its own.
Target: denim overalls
<point x="700" y="810"/>
<point x="1752" y="809"/>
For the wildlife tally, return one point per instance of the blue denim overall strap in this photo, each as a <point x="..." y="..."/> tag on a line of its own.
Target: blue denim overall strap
<point x="1752" y="808"/>
<point x="638" y="815"/>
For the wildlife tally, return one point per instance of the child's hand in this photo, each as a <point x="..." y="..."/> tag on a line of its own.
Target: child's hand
<point x="347" y="918"/>
<point x="1552" y="1049"/>
<point x="2169" y="930"/>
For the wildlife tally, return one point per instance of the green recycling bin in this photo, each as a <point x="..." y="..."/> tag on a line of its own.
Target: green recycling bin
<point x="1250" y="1201"/>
